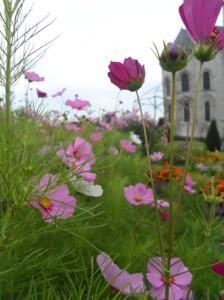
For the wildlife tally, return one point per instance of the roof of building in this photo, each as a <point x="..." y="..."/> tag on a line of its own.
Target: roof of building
<point x="183" y="39"/>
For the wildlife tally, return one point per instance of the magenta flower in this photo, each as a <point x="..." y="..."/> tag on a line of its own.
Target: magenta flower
<point x="41" y="94"/>
<point x="32" y="76"/>
<point x="164" y="216"/>
<point x="77" y="104"/>
<point x="179" y="279"/>
<point x="59" y="93"/>
<point x="96" y="136"/>
<point x="138" y="194"/>
<point x="127" y="146"/>
<point x="80" y="151"/>
<point x="189" y="183"/>
<point x="156" y="156"/>
<point x="218" y="268"/>
<point x="79" y="158"/>
<point x="199" y="18"/>
<point x="121" y="280"/>
<point x="128" y="75"/>
<point x="53" y="202"/>
<point x="72" y="127"/>
<point x="80" y="168"/>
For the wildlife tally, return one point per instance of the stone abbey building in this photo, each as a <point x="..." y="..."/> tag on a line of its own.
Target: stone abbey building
<point x="211" y="93"/>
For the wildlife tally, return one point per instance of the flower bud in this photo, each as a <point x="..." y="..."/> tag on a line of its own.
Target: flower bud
<point x="173" y="58"/>
<point x="204" y="52"/>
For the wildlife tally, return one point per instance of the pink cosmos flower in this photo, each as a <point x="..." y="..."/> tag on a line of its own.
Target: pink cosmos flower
<point x="179" y="279"/>
<point x="41" y="94"/>
<point x="96" y="136"/>
<point x="79" y="158"/>
<point x="80" y="151"/>
<point x="59" y="93"/>
<point x="200" y="17"/>
<point x="32" y="76"/>
<point x="53" y="202"/>
<point x="161" y="204"/>
<point x="121" y="280"/>
<point x="156" y="156"/>
<point x="218" y="268"/>
<point x="138" y="194"/>
<point x="84" y="171"/>
<point x="77" y="104"/>
<point x="80" y="168"/>
<point x="72" y="127"/>
<point x="189" y="183"/>
<point x="128" y="75"/>
<point x="127" y="146"/>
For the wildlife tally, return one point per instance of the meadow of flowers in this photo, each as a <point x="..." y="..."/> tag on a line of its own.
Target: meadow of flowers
<point x="110" y="207"/>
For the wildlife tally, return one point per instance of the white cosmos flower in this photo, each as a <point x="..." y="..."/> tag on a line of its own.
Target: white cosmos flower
<point x="88" y="189"/>
<point x="135" y="138"/>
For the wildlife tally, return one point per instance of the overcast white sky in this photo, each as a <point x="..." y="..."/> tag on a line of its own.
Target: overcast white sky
<point x="94" y="32"/>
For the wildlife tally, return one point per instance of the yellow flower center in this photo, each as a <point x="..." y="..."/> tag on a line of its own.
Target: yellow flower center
<point x="138" y="198"/>
<point x="45" y="203"/>
<point x="77" y="154"/>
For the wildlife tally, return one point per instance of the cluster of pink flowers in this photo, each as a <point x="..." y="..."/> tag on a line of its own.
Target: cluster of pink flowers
<point x="179" y="278"/>
<point x="79" y="158"/>
<point x="72" y="127"/>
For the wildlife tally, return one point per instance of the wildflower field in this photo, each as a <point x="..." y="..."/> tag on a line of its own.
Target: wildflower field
<point x="112" y="206"/>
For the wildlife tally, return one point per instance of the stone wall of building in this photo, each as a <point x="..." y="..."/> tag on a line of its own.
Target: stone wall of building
<point x="210" y="103"/>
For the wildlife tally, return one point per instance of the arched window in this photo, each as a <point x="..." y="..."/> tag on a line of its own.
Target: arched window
<point x="186" y="112"/>
<point x="185" y="82"/>
<point x="207" y="111"/>
<point x="206" y="80"/>
<point x="167" y="86"/>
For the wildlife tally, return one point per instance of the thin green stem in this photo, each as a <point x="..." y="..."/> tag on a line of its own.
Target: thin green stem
<point x="149" y="169"/>
<point x="8" y="63"/>
<point x="170" y="232"/>
<point x="187" y="162"/>
<point x="189" y="152"/>
<point x="190" y="147"/>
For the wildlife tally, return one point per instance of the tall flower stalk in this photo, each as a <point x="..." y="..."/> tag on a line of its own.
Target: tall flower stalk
<point x="149" y="167"/>
<point x="8" y="36"/>
<point x="170" y="233"/>
<point x="16" y="52"/>
<point x="130" y="76"/>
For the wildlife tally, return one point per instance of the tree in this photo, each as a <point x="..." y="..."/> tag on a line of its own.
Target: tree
<point x="213" y="140"/>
